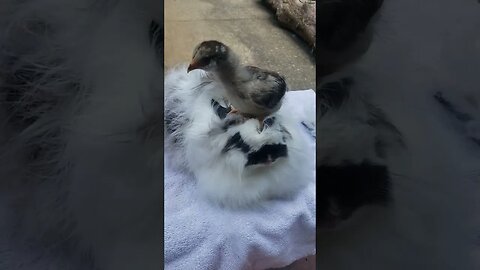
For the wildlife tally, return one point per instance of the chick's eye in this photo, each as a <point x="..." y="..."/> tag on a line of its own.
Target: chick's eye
<point x="204" y="61"/>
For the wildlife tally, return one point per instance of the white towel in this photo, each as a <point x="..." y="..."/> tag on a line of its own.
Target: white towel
<point x="199" y="235"/>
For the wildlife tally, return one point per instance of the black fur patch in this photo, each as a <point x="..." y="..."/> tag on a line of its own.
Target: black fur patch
<point x="219" y="110"/>
<point x="234" y="120"/>
<point x="447" y="105"/>
<point x="268" y="122"/>
<point x="310" y="130"/>
<point x="464" y="118"/>
<point x="268" y="152"/>
<point x="378" y="119"/>
<point x="333" y="94"/>
<point x="236" y="141"/>
<point x="342" y="189"/>
<point x="286" y="133"/>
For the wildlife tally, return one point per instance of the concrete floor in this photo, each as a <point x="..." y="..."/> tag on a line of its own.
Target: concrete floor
<point x="251" y="30"/>
<point x="247" y="27"/>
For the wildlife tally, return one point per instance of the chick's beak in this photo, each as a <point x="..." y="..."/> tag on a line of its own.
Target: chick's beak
<point x="192" y="66"/>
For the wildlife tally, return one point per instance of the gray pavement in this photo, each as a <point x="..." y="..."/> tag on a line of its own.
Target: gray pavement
<point x="247" y="27"/>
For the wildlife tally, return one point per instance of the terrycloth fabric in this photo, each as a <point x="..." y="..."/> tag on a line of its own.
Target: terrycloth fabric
<point x="199" y="235"/>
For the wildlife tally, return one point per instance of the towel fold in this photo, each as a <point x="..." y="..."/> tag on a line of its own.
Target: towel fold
<point x="200" y="235"/>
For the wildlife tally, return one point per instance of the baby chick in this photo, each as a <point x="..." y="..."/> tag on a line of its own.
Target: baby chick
<point x="252" y="91"/>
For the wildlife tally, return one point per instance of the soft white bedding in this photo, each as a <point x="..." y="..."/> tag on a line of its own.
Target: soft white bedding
<point x="201" y="235"/>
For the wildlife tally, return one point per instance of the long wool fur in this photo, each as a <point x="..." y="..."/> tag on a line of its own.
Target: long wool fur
<point x="79" y="84"/>
<point x="196" y="140"/>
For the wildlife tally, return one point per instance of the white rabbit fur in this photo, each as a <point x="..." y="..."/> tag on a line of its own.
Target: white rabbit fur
<point x="198" y="140"/>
